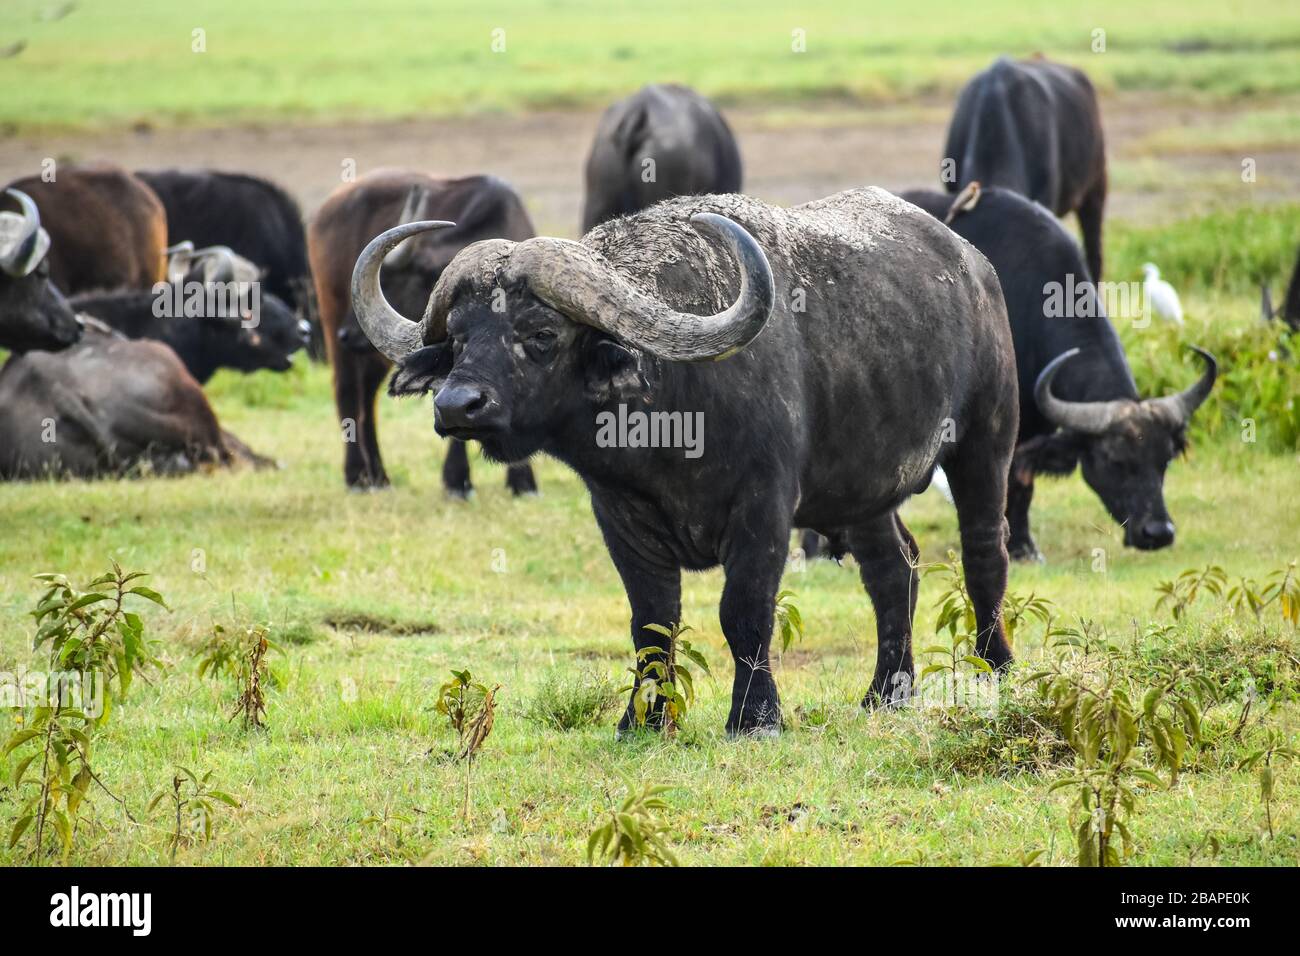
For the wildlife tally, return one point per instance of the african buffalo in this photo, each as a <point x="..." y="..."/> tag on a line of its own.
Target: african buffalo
<point x="75" y="414"/>
<point x="1290" y="310"/>
<point x="207" y="317"/>
<point x="1079" y="405"/>
<point x="884" y="349"/>
<point x="664" y="140"/>
<point x="1034" y="126"/>
<point x="33" y="313"/>
<point x="484" y="207"/>
<point x="107" y="228"/>
<point x="255" y="218"/>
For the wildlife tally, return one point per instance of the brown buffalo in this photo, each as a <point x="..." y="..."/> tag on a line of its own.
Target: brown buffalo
<point x="482" y="207"/>
<point x="108" y="230"/>
<point x="73" y="414"/>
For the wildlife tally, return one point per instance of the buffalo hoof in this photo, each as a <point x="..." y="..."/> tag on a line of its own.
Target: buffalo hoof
<point x="889" y="694"/>
<point x="769" y="732"/>
<point x="460" y="494"/>
<point x="761" y="720"/>
<point x="1026" y="552"/>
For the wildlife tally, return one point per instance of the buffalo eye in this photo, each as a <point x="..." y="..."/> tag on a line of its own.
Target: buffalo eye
<point x="542" y="341"/>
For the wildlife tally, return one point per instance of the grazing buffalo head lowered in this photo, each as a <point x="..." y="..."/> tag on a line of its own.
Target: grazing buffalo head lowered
<point x="33" y="313"/>
<point x="251" y="331"/>
<point x="1123" y="448"/>
<point x="518" y="338"/>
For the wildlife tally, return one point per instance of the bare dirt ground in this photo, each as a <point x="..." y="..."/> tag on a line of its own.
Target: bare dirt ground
<point x="791" y="155"/>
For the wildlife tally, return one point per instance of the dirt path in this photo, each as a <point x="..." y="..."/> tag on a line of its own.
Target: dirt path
<point x="791" y="155"/>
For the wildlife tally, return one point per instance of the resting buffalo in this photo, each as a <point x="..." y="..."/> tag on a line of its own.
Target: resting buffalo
<point x="1079" y="405"/>
<point x="208" y="318"/>
<point x="864" y="343"/>
<point x="662" y="141"/>
<point x="74" y="413"/>
<point x="255" y="218"/>
<point x="107" y="228"/>
<point x="1033" y="126"/>
<point x="484" y="207"/>
<point x="33" y="313"/>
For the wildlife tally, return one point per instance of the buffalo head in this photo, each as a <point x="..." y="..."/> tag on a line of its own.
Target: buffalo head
<point x="33" y="313"/>
<point x="253" y="331"/>
<point x="519" y="339"/>
<point x="1123" y="448"/>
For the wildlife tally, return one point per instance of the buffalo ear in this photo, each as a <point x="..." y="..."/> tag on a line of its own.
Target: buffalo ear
<point x="1055" y="454"/>
<point x="613" y="371"/>
<point x="421" y="371"/>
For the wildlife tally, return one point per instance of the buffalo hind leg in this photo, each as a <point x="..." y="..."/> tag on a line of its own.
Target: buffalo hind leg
<point x="520" y="480"/>
<point x="978" y="478"/>
<point x="456" y="475"/>
<point x="356" y="381"/>
<point x="1090" y="214"/>
<point x="887" y="557"/>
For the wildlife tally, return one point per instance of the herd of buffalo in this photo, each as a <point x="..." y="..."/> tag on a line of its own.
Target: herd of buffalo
<point x="839" y="351"/>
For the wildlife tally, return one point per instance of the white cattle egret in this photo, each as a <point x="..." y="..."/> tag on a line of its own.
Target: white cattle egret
<point x="1160" y="295"/>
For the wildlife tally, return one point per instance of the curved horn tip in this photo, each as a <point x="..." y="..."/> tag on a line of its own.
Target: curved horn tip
<point x="25" y="203"/>
<point x="388" y="330"/>
<point x="1210" y="360"/>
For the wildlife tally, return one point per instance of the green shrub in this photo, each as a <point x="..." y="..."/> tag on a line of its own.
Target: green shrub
<point x="572" y="701"/>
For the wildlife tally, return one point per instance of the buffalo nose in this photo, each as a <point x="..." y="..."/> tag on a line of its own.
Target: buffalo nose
<point x="462" y="406"/>
<point x="1158" y="533"/>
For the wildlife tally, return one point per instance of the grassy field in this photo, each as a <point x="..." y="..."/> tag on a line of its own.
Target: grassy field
<point x="124" y="62"/>
<point x="375" y="598"/>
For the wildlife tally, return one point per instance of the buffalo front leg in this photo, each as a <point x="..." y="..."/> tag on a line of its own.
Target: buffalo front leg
<point x="747" y="613"/>
<point x="887" y="557"/>
<point x="455" y="470"/>
<point x="655" y="595"/>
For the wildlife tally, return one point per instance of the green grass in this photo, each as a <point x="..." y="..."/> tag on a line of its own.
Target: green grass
<point x="376" y="597"/>
<point x="120" y="62"/>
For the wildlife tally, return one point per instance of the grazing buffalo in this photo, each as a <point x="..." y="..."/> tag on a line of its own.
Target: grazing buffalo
<point x="33" y="313"/>
<point x="207" y="318"/>
<point x="1033" y="126"/>
<point x="1079" y="405"/>
<point x="864" y="343"/>
<point x="484" y="207"/>
<point x="255" y="218"/>
<point x="662" y="141"/>
<point x="107" y="228"/>
<point x="75" y="414"/>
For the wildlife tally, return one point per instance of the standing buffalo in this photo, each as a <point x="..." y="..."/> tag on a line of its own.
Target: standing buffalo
<point x="662" y="141"/>
<point x="1079" y="405"/>
<point x="78" y="413"/>
<point x="255" y="218"/>
<point x="107" y="228"/>
<point x="229" y="326"/>
<point x="33" y="313"/>
<point x="484" y="207"/>
<point x="884" y="348"/>
<point x="1034" y="127"/>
